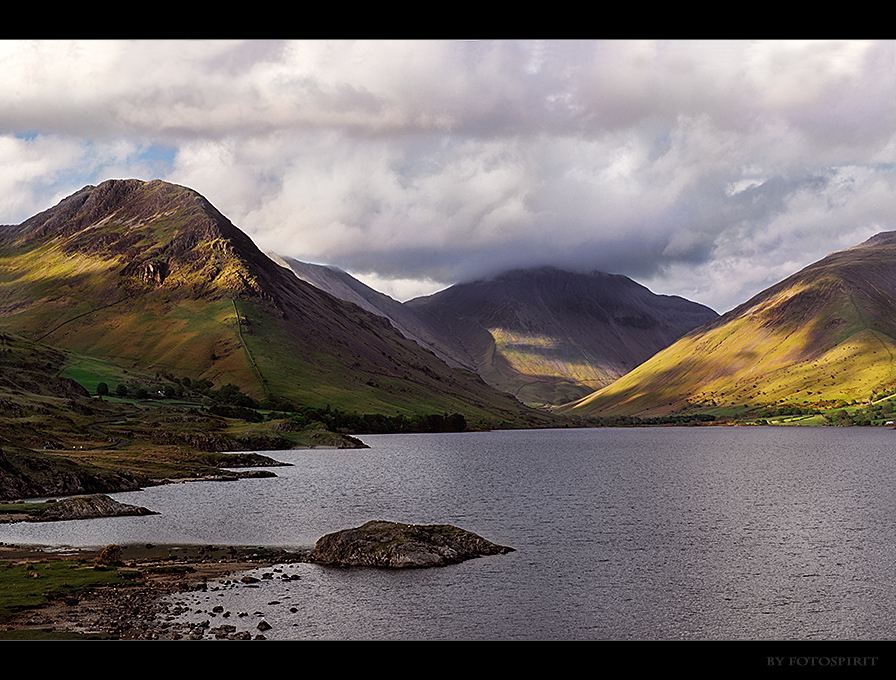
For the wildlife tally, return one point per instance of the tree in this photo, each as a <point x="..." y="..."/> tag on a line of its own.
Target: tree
<point x="121" y="391"/>
<point x="839" y="418"/>
<point x="102" y="389"/>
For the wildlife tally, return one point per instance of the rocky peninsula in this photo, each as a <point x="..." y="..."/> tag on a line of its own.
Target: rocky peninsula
<point x="76" y="507"/>
<point x="394" y="545"/>
<point x="89" y="507"/>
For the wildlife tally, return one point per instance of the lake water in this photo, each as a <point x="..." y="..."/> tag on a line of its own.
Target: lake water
<point x="712" y="533"/>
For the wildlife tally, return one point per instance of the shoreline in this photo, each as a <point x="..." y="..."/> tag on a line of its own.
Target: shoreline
<point x="133" y="609"/>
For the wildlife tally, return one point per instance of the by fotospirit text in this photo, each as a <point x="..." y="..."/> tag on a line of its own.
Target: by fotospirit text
<point x="822" y="661"/>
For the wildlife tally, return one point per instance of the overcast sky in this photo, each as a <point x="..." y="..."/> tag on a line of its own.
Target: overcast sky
<point x="709" y="170"/>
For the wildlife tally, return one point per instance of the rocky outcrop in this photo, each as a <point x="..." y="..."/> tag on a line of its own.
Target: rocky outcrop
<point x="30" y="475"/>
<point x="393" y="545"/>
<point x="241" y="460"/>
<point x="88" y="507"/>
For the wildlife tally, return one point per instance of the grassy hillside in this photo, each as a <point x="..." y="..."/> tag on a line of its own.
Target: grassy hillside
<point x="823" y="336"/>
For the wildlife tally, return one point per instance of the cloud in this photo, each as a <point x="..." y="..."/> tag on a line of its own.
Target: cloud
<point x="706" y="169"/>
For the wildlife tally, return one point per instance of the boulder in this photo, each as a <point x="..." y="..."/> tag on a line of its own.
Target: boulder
<point x="394" y="545"/>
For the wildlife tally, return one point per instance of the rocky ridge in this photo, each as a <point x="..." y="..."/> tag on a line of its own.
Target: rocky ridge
<point x="37" y="475"/>
<point x="77" y="507"/>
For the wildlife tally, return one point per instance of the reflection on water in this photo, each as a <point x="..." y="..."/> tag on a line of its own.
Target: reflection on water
<point x="649" y="533"/>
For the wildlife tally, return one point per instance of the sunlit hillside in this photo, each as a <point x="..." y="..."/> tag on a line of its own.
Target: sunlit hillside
<point x="825" y="335"/>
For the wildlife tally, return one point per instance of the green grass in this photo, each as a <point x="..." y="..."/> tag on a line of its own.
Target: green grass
<point x="33" y="509"/>
<point x="31" y="585"/>
<point x="90" y="371"/>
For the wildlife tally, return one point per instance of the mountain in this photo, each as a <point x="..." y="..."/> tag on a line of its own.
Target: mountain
<point x="825" y="335"/>
<point x="344" y="286"/>
<point x="149" y="276"/>
<point x="545" y="335"/>
<point x="550" y="336"/>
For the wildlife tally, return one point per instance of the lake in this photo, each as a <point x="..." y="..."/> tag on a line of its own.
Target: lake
<point x="706" y="533"/>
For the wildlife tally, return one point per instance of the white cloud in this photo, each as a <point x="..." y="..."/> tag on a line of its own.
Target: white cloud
<point x="703" y="168"/>
<point x="29" y="168"/>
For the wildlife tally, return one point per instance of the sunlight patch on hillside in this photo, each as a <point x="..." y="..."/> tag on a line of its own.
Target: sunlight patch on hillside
<point x="542" y="355"/>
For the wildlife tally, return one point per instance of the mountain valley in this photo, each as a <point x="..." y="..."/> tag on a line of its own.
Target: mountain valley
<point x="143" y="336"/>
<point x="545" y="335"/>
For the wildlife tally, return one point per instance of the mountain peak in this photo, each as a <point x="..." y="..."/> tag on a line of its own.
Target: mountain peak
<point x="155" y="233"/>
<point x="545" y="334"/>
<point x="881" y="238"/>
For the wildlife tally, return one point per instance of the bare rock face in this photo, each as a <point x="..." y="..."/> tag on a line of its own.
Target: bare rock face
<point x="394" y="546"/>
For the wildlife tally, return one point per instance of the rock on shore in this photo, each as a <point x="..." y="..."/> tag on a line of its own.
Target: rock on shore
<point x="393" y="545"/>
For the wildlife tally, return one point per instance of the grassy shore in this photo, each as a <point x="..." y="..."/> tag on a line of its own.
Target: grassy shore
<point x="75" y="595"/>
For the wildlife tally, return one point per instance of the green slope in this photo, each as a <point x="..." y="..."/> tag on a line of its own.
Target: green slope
<point x="824" y="335"/>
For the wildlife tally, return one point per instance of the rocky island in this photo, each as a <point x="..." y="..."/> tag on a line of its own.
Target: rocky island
<point x="394" y="545"/>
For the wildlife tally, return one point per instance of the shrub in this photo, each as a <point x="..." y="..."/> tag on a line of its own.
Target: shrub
<point x="110" y="556"/>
